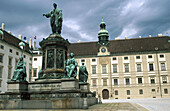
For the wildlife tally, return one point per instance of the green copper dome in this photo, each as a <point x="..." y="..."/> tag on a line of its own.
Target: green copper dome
<point x="103" y="31"/>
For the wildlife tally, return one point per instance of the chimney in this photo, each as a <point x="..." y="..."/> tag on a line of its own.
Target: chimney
<point x="150" y="36"/>
<point x="126" y="37"/>
<point x="140" y="36"/>
<point x="30" y="42"/>
<point x="159" y="35"/>
<point x="34" y="44"/>
<point x="3" y="26"/>
<point x="20" y="37"/>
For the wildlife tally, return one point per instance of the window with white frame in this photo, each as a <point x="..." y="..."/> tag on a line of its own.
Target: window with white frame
<point x="140" y="91"/>
<point x="94" y="69"/>
<point x="1" y="69"/>
<point x="164" y="79"/>
<point x="161" y="56"/>
<point x="163" y="67"/>
<point x="1" y="58"/>
<point x="114" y="68"/>
<point x="35" y="72"/>
<point x="125" y="58"/>
<point x="115" y="81"/>
<point x="116" y="92"/>
<point x="128" y="92"/>
<point x="104" y="82"/>
<point x="138" y="67"/>
<point x="127" y="80"/>
<point x="137" y="57"/>
<point x="104" y="71"/>
<point x="126" y="67"/>
<point x="114" y="58"/>
<point x="149" y="56"/>
<point x="140" y="80"/>
<point x="151" y="68"/>
<point x="165" y="91"/>
<point x="94" y="82"/>
<point x="152" y="80"/>
<point x="93" y="60"/>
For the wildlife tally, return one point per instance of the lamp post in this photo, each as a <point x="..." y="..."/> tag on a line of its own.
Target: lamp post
<point x="22" y="46"/>
<point x="156" y="49"/>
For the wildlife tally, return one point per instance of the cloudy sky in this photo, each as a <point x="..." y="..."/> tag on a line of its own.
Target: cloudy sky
<point x="131" y="18"/>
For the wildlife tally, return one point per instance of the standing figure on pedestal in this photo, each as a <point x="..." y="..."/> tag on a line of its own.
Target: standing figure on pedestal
<point x="20" y="71"/>
<point x="83" y="74"/>
<point x="71" y="67"/>
<point x="56" y="19"/>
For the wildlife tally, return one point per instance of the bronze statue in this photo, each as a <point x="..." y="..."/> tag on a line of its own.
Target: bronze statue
<point x="83" y="74"/>
<point x="71" y="66"/>
<point x="20" y="71"/>
<point x="56" y="19"/>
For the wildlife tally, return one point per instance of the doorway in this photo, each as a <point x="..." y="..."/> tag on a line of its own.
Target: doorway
<point x="105" y="94"/>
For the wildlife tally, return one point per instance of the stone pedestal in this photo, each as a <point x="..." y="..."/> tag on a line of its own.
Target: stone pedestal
<point x="69" y="85"/>
<point x="17" y="86"/>
<point x="84" y="87"/>
<point x="54" y="50"/>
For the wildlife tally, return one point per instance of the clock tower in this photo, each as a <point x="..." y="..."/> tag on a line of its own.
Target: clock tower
<point x="103" y="34"/>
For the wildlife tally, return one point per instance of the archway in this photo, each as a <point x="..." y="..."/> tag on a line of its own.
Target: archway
<point x="105" y="94"/>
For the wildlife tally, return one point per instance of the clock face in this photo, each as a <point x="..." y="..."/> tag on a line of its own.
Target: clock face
<point x="103" y="50"/>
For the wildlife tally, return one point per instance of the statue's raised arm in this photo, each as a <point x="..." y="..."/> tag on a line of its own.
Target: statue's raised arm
<point x="56" y="19"/>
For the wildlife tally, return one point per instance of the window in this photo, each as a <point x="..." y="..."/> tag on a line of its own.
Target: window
<point x="128" y="92"/>
<point x="164" y="79"/>
<point x="94" y="82"/>
<point x="17" y="53"/>
<point x="140" y="91"/>
<point x="82" y="60"/>
<point x="115" y="81"/>
<point x="114" y="68"/>
<point x="9" y="72"/>
<point x="1" y="68"/>
<point x="153" y="90"/>
<point x="93" y="60"/>
<point x="149" y="56"/>
<point x="152" y="80"/>
<point x="138" y="67"/>
<point x="114" y="58"/>
<point x="1" y="58"/>
<point x="165" y="91"/>
<point x="10" y="50"/>
<point x="35" y="59"/>
<point x="126" y="67"/>
<point x="161" y="56"/>
<point x="24" y="56"/>
<point x="104" y="82"/>
<point x="151" y="67"/>
<point x="125" y="58"/>
<point x="163" y="67"/>
<point x="139" y="80"/>
<point x="127" y="80"/>
<point x="137" y="57"/>
<point x="104" y="69"/>
<point x="2" y="47"/>
<point x="116" y="92"/>
<point x="93" y="69"/>
<point x="35" y="72"/>
<point x="10" y="61"/>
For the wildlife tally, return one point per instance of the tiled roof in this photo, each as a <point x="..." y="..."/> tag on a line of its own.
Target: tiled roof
<point x="122" y="46"/>
<point x="14" y="41"/>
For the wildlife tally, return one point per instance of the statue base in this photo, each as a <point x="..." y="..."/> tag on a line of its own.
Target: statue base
<point x="17" y="86"/>
<point x="84" y="87"/>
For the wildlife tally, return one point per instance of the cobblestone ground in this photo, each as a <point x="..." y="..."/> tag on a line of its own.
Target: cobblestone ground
<point x="101" y="107"/>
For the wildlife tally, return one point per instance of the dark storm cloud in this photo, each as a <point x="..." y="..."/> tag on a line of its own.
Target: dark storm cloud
<point x="131" y="18"/>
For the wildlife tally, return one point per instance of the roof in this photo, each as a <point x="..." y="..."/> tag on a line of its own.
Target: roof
<point x="122" y="46"/>
<point x="14" y="41"/>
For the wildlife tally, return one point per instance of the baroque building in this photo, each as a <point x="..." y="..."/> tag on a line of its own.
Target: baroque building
<point x="126" y="68"/>
<point x="9" y="56"/>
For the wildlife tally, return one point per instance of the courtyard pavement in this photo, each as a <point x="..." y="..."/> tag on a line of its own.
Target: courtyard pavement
<point x="152" y="104"/>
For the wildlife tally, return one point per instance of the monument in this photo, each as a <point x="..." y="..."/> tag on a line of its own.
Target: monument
<point x="57" y="86"/>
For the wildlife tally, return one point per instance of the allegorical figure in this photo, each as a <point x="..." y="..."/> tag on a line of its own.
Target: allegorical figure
<point x="83" y="74"/>
<point x="71" y="66"/>
<point x="20" y="71"/>
<point x="56" y="19"/>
